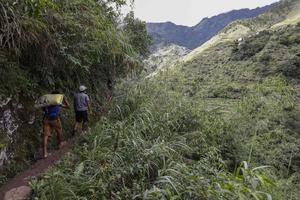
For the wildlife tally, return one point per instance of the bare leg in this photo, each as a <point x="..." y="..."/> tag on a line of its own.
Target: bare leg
<point x="77" y="127"/>
<point x="46" y="133"/>
<point x="84" y="126"/>
<point x="59" y="138"/>
<point x="74" y="129"/>
<point x="45" y="144"/>
<point x="59" y="134"/>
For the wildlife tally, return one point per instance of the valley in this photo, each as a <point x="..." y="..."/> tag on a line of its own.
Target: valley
<point x="219" y="120"/>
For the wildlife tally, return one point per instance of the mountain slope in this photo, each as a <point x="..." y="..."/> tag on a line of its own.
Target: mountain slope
<point x="249" y="62"/>
<point x="192" y="37"/>
<point x="223" y="123"/>
<point x="280" y="14"/>
<point x="164" y="56"/>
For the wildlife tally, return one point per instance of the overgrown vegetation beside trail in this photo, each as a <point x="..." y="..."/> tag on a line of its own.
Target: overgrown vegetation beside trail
<point x="222" y="124"/>
<point x="51" y="44"/>
<point x="156" y="144"/>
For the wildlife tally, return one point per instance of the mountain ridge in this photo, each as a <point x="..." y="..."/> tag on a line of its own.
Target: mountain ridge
<point x="194" y="36"/>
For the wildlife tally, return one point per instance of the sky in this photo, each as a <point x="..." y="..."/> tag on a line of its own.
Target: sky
<point x="189" y="12"/>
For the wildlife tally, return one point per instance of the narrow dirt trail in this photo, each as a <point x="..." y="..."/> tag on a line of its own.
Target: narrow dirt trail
<point x="42" y="165"/>
<point x="35" y="170"/>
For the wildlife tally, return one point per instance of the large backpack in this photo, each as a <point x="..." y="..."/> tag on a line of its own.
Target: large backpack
<point x="49" y="100"/>
<point x="52" y="112"/>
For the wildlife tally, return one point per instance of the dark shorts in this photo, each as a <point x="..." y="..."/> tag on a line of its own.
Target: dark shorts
<point x="81" y="116"/>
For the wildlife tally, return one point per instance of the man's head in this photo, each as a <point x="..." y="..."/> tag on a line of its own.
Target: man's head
<point x="55" y="92"/>
<point x="82" y="88"/>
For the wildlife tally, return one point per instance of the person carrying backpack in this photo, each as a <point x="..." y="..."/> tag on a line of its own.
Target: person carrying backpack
<point x="51" y="122"/>
<point x="81" y="107"/>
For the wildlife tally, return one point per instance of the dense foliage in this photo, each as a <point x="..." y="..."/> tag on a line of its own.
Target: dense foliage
<point x="58" y="44"/>
<point x="138" y="36"/>
<point x="223" y="124"/>
<point x="157" y="144"/>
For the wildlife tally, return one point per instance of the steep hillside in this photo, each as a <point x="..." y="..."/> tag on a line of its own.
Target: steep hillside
<point x="193" y="37"/>
<point x="222" y="123"/>
<point x="48" y="45"/>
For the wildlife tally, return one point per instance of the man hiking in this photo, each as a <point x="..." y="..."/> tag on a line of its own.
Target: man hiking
<point x="52" y="122"/>
<point x="81" y="106"/>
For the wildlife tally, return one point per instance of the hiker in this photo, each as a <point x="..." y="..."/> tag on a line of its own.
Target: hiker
<point x="52" y="122"/>
<point x="81" y="107"/>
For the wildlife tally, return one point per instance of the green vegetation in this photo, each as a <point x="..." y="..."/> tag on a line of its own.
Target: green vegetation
<point x="138" y="36"/>
<point x="49" y="44"/>
<point x="157" y="144"/>
<point x="221" y="124"/>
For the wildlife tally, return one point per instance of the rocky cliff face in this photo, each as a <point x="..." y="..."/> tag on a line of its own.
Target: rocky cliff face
<point x="193" y="37"/>
<point x="165" y="56"/>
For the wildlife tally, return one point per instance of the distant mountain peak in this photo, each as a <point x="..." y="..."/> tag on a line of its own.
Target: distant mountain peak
<point x="195" y="36"/>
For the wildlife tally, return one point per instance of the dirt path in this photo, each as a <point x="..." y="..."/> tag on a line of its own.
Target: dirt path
<point x="36" y="169"/>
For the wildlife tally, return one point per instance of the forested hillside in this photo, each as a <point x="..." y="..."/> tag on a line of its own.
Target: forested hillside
<point x="223" y="123"/>
<point x="48" y="45"/>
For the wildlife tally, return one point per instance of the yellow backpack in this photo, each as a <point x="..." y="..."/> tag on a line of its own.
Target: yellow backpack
<point x="49" y="100"/>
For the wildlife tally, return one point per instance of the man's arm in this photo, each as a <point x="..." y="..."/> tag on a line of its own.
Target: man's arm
<point x="89" y="104"/>
<point x="65" y="103"/>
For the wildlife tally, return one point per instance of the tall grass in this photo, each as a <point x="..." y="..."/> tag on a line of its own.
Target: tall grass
<point x="213" y="127"/>
<point x="155" y="144"/>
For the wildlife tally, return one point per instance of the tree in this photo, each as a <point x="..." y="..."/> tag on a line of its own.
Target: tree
<point x="137" y="33"/>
